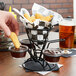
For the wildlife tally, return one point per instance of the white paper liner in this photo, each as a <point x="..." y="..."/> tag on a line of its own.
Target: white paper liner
<point x="36" y="8"/>
<point x="46" y="12"/>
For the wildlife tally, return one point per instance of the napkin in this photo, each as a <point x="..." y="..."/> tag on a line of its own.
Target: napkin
<point x="46" y="72"/>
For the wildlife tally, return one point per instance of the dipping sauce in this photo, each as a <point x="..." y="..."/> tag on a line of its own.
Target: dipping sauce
<point x="51" y="56"/>
<point x="18" y="53"/>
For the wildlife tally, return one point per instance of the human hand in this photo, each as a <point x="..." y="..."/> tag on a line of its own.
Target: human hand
<point x="8" y="23"/>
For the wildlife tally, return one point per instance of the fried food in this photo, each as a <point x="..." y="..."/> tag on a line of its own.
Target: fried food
<point x="48" y="18"/>
<point x="43" y="18"/>
<point x="38" y="16"/>
<point x="27" y="17"/>
<point x="33" y="18"/>
<point x="15" y="40"/>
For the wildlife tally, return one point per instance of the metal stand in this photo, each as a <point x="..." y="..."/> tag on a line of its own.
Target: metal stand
<point x="36" y="61"/>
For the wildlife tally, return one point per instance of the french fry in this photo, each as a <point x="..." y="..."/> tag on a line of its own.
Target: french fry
<point x="27" y="17"/>
<point x="51" y="16"/>
<point x="15" y="40"/>
<point x="33" y="18"/>
<point x="48" y="18"/>
<point x="43" y="18"/>
<point x="38" y="16"/>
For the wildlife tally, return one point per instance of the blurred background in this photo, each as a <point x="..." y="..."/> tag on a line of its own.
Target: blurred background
<point x="64" y="7"/>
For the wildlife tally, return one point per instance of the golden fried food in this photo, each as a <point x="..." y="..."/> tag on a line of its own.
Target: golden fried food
<point x="33" y="18"/>
<point x="15" y="40"/>
<point x="38" y="16"/>
<point x="27" y="17"/>
<point x="48" y="18"/>
<point x="51" y="16"/>
<point x="43" y="18"/>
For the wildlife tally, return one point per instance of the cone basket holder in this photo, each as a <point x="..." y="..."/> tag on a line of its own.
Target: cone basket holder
<point x="38" y="38"/>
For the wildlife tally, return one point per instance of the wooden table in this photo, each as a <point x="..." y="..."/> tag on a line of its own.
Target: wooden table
<point x="10" y="66"/>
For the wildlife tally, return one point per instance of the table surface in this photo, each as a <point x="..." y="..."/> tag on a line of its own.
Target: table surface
<point x="10" y="66"/>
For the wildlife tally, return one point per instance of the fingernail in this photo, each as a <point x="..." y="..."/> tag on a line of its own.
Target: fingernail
<point x="8" y="33"/>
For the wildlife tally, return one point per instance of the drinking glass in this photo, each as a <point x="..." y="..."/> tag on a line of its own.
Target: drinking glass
<point x="66" y="31"/>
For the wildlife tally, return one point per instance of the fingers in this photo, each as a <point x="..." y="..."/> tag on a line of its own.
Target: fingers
<point x="14" y="25"/>
<point x="9" y="24"/>
<point x="5" y="29"/>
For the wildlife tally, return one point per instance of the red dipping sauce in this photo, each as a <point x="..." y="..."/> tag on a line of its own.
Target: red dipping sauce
<point x="18" y="53"/>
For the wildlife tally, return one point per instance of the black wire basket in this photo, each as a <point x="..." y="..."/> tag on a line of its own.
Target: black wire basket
<point x="38" y="37"/>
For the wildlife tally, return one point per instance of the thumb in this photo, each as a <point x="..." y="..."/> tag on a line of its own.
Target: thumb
<point x="6" y="29"/>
